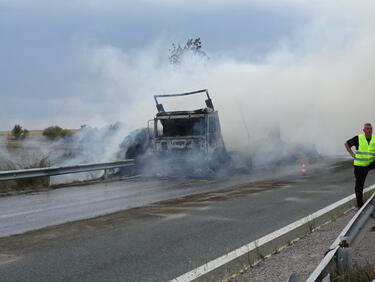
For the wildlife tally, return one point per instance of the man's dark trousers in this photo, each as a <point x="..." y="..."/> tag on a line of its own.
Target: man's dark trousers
<point x="360" y="173"/>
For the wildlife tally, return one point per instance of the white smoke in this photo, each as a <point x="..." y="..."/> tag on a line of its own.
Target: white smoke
<point x="28" y="153"/>
<point x="315" y="86"/>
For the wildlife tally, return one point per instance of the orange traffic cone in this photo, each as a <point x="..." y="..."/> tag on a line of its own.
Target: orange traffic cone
<point x="303" y="169"/>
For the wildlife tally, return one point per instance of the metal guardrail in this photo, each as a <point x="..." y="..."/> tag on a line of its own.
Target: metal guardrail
<point x="338" y="259"/>
<point x="51" y="171"/>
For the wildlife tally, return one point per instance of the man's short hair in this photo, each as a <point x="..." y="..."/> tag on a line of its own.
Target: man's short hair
<point x="367" y="124"/>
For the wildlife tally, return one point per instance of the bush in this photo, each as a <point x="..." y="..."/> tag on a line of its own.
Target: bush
<point x="54" y="132"/>
<point x="18" y="132"/>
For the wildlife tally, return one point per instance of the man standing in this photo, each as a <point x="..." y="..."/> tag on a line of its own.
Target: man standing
<point x="364" y="158"/>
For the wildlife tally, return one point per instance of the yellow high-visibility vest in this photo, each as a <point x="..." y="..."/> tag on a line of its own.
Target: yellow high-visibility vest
<point x="365" y="154"/>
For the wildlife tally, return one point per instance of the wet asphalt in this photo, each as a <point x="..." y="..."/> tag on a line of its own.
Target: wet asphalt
<point x="158" y="242"/>
<point x="27" y="212"/>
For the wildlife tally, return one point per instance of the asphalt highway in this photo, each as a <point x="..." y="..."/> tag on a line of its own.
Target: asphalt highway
<point x="27" y="212"/>
<point x="160" y="241"/>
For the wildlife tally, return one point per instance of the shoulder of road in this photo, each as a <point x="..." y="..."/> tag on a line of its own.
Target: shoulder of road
<point x="304" y="255"/>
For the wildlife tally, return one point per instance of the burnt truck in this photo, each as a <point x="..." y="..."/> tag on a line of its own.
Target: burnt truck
<point x="180" y="142"/>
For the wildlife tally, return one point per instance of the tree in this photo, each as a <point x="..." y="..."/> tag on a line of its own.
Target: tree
<point x="54" y="132"/>
<point x="25" y="133"/>
<point x="19" y="133"/>
<point x="192" y="46"/>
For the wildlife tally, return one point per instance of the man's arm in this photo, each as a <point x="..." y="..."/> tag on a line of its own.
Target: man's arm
<point x="349" y="149"/>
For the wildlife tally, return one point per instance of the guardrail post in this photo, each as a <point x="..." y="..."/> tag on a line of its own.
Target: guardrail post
<point x="344" y="257"/>
<point x="373" y="214"/>
<point x="344" y="260"/>
<point x="105" y="175"/>
<point x="327" y="278"/>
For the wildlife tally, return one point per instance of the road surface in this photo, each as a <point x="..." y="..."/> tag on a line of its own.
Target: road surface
<point x="160" y="241"/>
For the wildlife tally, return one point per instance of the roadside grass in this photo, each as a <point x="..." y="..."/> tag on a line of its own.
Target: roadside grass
<point x="26" y="184"/>
<point x="35" y="151"/>
<point x="364" y="273"/>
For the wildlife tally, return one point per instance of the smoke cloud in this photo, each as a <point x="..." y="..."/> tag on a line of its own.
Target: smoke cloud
<point x="314" y="87"/>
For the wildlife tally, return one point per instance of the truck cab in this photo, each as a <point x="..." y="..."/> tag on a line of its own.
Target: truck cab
<point x="182" y="133"/>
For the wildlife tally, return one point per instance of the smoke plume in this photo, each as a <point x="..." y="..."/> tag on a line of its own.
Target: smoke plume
<point x="317" y="95"/>
<point x="314" y="88"/>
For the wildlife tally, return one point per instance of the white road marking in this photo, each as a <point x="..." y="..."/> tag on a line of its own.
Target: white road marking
<point x="226" y="258"/>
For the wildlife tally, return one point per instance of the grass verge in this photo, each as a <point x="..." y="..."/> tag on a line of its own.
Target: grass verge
<point x="25" y="184"/>
<point x="364" y="273"/>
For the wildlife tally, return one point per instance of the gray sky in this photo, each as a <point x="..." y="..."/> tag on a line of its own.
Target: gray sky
<point x="44" y="46"/>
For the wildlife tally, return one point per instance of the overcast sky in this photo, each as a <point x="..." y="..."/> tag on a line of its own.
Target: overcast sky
<point x="44" y="46"/>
